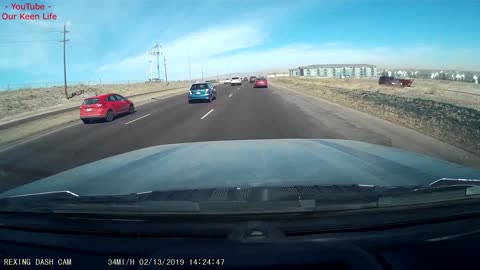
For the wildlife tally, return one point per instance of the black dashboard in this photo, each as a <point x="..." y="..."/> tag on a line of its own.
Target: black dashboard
<point x="261" y="243"/>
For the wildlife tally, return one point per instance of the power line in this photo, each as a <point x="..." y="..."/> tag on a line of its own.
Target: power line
<point x="64" y="41"/>
<point x="28" y="41"/>
<point x="28" y="34"/>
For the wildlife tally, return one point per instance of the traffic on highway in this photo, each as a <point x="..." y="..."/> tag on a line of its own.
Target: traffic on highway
<point x="200" y="139"/>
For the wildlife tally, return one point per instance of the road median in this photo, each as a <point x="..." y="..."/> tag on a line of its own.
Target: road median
<point x="40" y="124"/>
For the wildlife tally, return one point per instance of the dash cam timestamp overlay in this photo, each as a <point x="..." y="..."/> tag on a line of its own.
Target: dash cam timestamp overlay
<point x="165" y="262"/>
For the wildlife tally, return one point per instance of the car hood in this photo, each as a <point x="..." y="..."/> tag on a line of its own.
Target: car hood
<point x="249" y="163"/>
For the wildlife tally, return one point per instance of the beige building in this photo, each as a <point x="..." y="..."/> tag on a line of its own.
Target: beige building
<point x="336" y="71"/>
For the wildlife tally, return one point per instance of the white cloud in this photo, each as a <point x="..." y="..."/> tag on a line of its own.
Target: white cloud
<point x="304" y="54"/>
<point x="219" y="40"/>
<point x="125" y="65"/>
<point x="202" y="46"/>
<point x="333" y="44"/>
<point x="221" y="50"/>
<point x="204" y="56"/>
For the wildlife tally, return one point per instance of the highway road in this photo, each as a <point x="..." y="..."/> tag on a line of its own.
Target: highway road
<point x="240" y="112"/>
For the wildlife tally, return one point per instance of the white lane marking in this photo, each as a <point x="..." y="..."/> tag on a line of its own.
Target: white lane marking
<point x="230" y="95"/>
<point x="138" y="119"/>
<point x="206" y="114"/>
<point x="238" y="88"/>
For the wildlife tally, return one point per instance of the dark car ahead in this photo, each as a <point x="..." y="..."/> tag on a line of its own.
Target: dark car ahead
<point x="252" y="79"/>
<point x="261" y="82"/>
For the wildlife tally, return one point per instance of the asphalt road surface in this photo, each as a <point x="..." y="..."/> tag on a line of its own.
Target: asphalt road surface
<point x="240" y="112"/>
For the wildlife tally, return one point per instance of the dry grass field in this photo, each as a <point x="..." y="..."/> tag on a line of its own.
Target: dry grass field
<point x="446" y="110"/>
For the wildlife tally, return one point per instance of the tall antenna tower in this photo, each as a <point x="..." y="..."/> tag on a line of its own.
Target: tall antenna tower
<point x="156" y="52"/>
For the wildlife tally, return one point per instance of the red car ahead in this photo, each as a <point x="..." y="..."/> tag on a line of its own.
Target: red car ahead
<point x="262" y="82"/>
<point x="105" y="107"/>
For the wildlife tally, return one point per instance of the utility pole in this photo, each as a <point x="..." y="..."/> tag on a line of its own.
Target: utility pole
<point x="150" y="53"/>
<point x="151" y="72"/>
<point x="157" y="53"/>
<point x="165" y="65"/>
<point x="65" y="58"/>
<point x="202" y="74"/>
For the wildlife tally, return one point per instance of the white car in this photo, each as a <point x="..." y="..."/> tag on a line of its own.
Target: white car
<point x="227" y="81"/>
<point x="236" y="81"/>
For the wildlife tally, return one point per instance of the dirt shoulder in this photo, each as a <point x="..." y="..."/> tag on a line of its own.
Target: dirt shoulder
<point x="435" y="108"/>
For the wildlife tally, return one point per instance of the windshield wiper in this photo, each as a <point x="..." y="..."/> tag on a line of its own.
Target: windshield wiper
<point x="235" y="199"/>
<point x="48" y="201"/>
<point x="253" y="199"/>
<point x="454" y="181"/>
<point x="441" y="190"/>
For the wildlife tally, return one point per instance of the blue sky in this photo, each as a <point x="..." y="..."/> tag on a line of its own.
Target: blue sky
<point x="110" y="39"/>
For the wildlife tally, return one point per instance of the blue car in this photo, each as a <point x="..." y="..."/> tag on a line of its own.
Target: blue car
<point x="202" y="92"/>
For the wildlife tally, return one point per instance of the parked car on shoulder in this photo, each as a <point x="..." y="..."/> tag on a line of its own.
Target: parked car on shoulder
<point x="105" y="107"/>
<point x="392" y="81"/>
<point x="388" y="80"/>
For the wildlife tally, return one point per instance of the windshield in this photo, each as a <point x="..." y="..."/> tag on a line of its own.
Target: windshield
<point x="199" y="86"/>
<point x="90" y="101"/>
<point x="104" y="99"/>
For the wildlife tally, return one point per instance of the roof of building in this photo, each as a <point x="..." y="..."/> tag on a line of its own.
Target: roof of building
<point x="337" y="66"/>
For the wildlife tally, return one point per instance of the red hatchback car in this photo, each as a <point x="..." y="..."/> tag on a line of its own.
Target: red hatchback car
<point x="105" y="107"/>
<point x="262" y="82"/>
